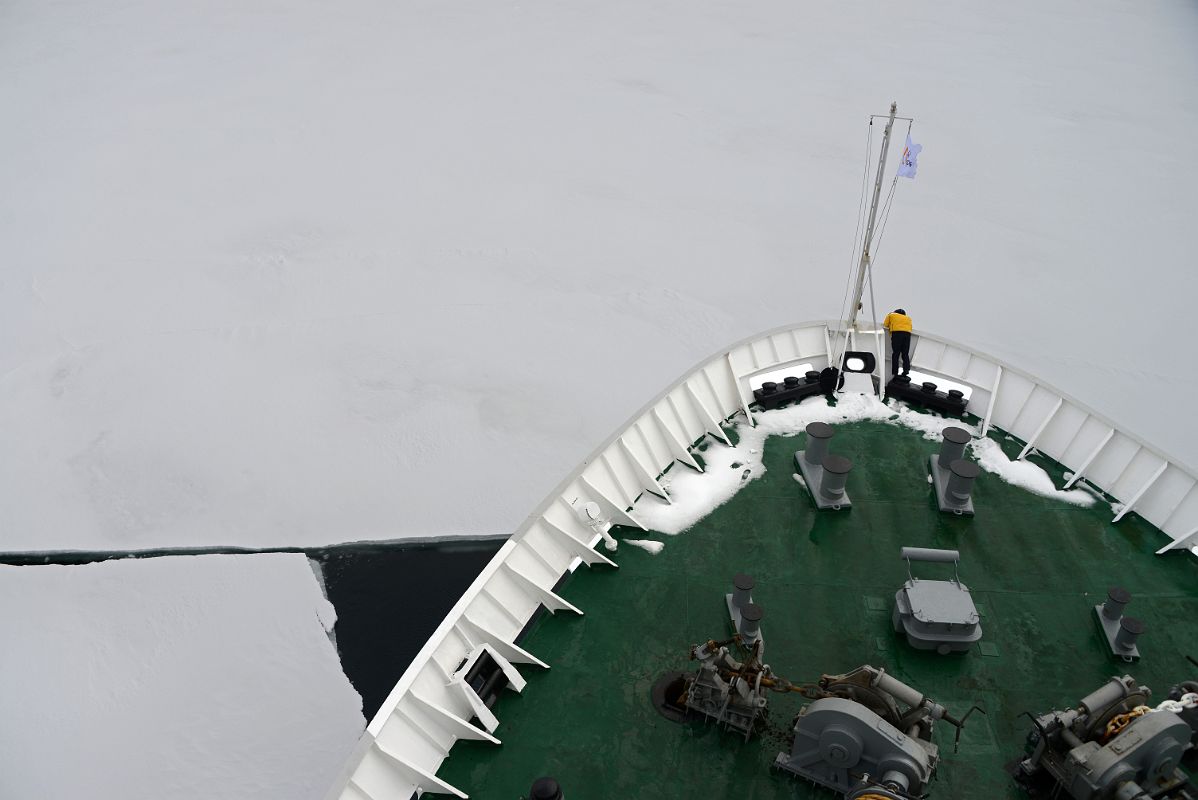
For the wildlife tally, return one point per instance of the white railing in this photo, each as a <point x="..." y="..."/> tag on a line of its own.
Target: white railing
<point x="429" y="708"/>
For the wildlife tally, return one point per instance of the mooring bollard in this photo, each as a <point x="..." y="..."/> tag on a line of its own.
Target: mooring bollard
<point x="836" y="472"/>
<point x="818" y="435"/>
<point x="953" y="446"/>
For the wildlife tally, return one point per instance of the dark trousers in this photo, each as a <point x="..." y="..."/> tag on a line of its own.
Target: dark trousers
<point x="900" y="347"/>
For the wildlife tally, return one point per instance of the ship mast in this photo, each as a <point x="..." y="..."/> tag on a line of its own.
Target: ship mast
<point x="863" y="267"/>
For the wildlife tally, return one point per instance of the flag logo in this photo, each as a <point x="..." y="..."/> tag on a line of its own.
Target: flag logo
<point x="909" y="163"/>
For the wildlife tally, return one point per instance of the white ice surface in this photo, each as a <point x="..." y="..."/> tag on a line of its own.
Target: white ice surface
<point x="309" y="272"/>
<point x="206" y="677"/>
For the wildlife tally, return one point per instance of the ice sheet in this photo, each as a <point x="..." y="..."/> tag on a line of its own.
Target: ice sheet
<point x="290" y="276"/>
<point x="199" y="677"/>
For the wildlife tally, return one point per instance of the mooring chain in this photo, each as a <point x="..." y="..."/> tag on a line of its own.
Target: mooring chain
<point x="1121" y="721"/>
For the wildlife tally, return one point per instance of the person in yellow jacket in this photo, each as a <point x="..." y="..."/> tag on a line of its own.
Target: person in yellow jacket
<point x="899" y="325"/>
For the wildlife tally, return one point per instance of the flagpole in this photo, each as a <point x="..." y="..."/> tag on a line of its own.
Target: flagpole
<point x="863" y="267"/>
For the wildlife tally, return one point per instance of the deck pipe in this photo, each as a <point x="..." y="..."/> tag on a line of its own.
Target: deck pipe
<point x="1130" y="629"/>
<point x="953" y="446"/>
<point x="836" y="473"/>
<point x="961" y="476"/>
<point x="750" y="621"/>
<point x="1116" y="599"/>
<point x="818" y="434"/>
<point x="742" y="590"/>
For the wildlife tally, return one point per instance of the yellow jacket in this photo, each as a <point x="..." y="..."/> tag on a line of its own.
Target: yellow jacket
<point x="897" y="322"/>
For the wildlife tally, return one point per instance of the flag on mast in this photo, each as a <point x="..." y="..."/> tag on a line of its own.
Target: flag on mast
<point x="908" y="164"/>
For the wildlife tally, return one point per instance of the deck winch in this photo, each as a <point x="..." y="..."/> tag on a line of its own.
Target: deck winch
<point x="1112" y="746"/>
<point x="731" y="692"/>
<point x="866" y="734"/>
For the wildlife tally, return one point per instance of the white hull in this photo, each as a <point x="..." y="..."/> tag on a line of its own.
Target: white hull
<point x="426" y="712"/>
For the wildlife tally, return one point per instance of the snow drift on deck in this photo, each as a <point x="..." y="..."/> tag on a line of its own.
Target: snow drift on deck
<point x="694" y="495"/>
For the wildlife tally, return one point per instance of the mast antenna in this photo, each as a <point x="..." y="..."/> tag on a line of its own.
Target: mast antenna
<point x="863" y="266"/>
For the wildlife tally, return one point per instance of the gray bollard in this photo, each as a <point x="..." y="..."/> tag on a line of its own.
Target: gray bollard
<point x="960" y="482"/>
<point x="1116" y="598"/>
<point x="836" y="472"/>
<point x="818" y="434"/>
<point x="750" y="621"/>
<point x="545" y="789"/>
<point x="1130" y="629"/>
<point x="742" y="591"/>
<point x="953" y="447"/>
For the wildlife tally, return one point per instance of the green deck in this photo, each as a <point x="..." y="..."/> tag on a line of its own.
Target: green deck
<point x="1035" y="566"/>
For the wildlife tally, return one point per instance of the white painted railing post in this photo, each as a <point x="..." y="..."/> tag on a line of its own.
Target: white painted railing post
<point x="1031" y="442"/>
<point x="993" y="397"/>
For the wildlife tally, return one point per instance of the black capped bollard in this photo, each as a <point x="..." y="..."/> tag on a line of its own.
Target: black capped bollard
<point x="929" y="387"/>
<point x="811" y="376"/>
<point x="545" y="789"/>
<point x="818" y="434"/>
<point x="750" y="622"/>
<point x="836" y="472"/>
<point x="953" y="446"/>
<point x="823" y="473"/>
<point x="742" y="590"/>
<point x="769" y="387"/>
<point x="1130" y="629"/>
<point x="1121" y="632"/>
<point x="1117" y="599"/>
<point x="961" y="475"/>
<point x="790" y="381"/>
<point x="952" y="474"/>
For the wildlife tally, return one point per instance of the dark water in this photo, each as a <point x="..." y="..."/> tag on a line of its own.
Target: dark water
<point x="389" y="599"/>
<point x="389" y="596"/>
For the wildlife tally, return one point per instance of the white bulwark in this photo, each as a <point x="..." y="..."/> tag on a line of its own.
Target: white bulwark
<point x="427" y="711"/>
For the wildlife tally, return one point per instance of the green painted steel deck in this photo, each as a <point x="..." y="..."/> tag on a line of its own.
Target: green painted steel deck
<point x="1036" y="567"/>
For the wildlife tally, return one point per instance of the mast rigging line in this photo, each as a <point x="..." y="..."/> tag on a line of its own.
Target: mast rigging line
<point x="882" y="229"/>
<point x="848" y="280"/>
<point x="863" y="271"/>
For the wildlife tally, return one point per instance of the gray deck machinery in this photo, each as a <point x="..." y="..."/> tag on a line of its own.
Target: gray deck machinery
<point x="865" y="734"/>
<point x="1113" y="746"/>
